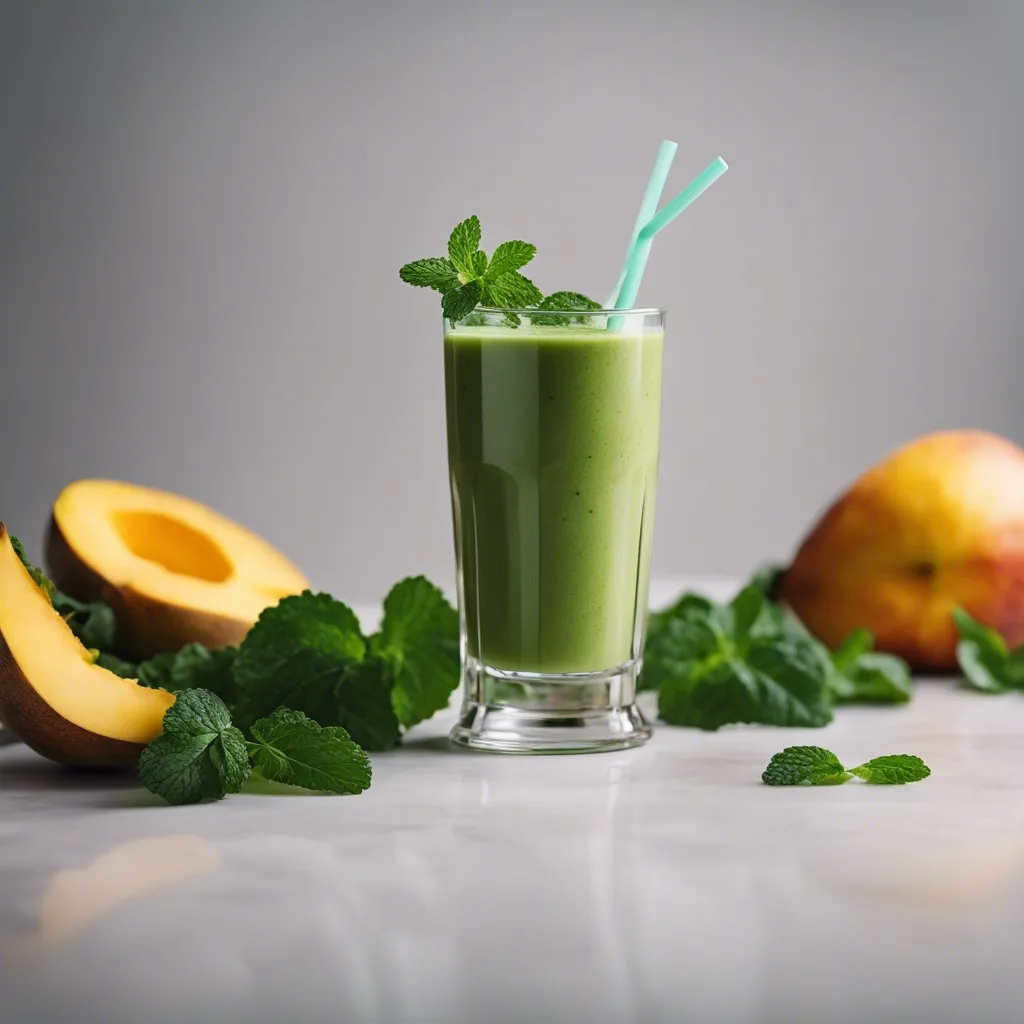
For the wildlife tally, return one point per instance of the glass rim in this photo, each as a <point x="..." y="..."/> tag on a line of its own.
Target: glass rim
<point x="534" y="311"/>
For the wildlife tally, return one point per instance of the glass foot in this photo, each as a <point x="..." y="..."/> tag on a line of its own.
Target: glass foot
<point x="533" y="713"/>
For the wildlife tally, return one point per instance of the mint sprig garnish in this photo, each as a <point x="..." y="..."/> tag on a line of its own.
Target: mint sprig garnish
<point x="984" y="657"/>
<point x="467" y="278"/>
<point x="816" y="766"/>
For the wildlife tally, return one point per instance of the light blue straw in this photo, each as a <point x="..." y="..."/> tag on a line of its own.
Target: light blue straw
<point x="648" y="207"/>
<point x="642" y="249"/>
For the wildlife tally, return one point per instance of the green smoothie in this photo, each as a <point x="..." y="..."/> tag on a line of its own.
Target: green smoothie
<point x="553" y="456"/>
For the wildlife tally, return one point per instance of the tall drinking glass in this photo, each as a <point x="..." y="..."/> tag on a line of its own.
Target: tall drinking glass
<point x="553" y="432"/>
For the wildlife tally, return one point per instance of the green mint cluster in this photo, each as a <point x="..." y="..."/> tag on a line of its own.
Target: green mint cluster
<point x="467" y="278"/>
<point x="984" y="657"/>
<point x="752" y="661"/>
<point x="816" y="766"/>
<point x="300" y="700"/>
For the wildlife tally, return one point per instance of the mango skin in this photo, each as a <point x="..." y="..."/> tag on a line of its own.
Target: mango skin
<point x="938" y="523"/>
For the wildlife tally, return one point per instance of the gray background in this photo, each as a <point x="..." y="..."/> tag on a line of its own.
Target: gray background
<point x="203" y="206"/>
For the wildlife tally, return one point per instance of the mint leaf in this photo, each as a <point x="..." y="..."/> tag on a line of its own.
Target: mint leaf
<point x="1015" y="668"/>
<point x="568" y="300"/>
<point x="876" y="678"/>
<point x="230" y="757"/>
<point x="563" y="301"/>
<point x="463" y="244"/>
<point x="291" y="748"/>
<point x="438" y="274"/>
<point x="791" y="675"/>
<point x="892" y="770"/>
<point x="674" y="632"/>
<point x="511" y="291"/>
<point x="857" y="644"/>
<point x="92" y="622"/>
<point x="745" y="662"/>
<point x="746" y="609"/>
<point x="970" y="628"/>
<point x="308" y="653"/>
<point x="460" y="302"/>
<point x="193" y="667"/>
<point x="982" y="654"/>
<point x="419" y="643"/>
<point x="866" y="677"/>
<point x="196" y="713"/>
<point x="804" y="766"/>
<point x="510" y="256"/>
<point x="983" y="670"/>
<point x="39" y="577"/>
<point x="120" y="667"/>
<point x="294" y="656"/>
<point x="179" y="769"/>
<point x="479" y="263"/>
<point x="200" y="755"/>
<point x="364" y="707"/>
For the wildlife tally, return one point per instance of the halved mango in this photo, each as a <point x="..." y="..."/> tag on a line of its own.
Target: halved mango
<point x="52" y="696"/>
<point x="173" y="570"/>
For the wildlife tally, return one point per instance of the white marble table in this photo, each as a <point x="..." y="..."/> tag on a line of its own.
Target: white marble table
<point x="660" y="884"/>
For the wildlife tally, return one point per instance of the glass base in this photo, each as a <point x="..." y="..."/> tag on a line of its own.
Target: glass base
<point x="534" y="713"/>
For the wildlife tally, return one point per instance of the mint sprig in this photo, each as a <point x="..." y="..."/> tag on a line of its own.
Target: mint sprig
<point x="199" y="756"/>
<point x="753" y="661"/>
<point x="467" y="278"/>
<point x="816" y="766"/>
<point x="747" y="661"/>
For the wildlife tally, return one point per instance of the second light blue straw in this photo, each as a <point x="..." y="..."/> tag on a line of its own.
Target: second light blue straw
<point x="648" y="207"/>
<point x="641" y="249"/>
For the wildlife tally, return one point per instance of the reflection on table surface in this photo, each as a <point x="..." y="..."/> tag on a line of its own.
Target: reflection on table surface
<point x="650" y="885"/>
